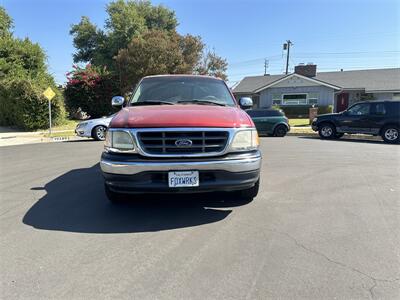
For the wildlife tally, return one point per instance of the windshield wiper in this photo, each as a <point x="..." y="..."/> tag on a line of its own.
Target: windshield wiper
<point x="151" y="102"/>
<point x="201" y="102"/>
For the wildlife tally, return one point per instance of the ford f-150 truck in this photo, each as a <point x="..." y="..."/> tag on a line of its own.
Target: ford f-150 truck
<point x="181" y="133"/>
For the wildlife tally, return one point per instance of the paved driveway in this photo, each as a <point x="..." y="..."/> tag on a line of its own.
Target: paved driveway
<point x="325" y="225"/>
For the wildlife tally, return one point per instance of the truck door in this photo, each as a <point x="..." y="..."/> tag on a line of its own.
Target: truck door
<point x="356" y="119"/>
<point x="378" y="116"/>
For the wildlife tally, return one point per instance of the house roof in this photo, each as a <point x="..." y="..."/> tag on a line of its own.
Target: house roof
<point x="252" y="83"/>
<point x="313" y="79"/>
<point x="374" y="80"/>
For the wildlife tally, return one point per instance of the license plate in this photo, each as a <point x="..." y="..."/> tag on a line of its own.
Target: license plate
<point x="183" y="178"/>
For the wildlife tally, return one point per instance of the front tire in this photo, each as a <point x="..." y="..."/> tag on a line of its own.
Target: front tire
<point x="99" y="133"/>
<point x="390" y="134"/>
<point x="327" y="131"/>
<point x="249" y="194"/>
<point x="280" y="131"/>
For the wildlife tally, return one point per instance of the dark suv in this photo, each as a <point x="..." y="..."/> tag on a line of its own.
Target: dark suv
<point x="367" y="117"/>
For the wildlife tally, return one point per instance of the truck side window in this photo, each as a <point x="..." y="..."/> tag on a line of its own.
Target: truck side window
<point x="378" y="109"/>
<point x="359" y="109"/>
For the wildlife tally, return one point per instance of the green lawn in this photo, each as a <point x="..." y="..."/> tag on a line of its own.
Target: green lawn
<point x="68" y="125"/>
<point x="299" y="122"/>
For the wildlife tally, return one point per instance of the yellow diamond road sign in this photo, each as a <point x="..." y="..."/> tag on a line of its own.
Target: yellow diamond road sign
<point x="49" y="93"/>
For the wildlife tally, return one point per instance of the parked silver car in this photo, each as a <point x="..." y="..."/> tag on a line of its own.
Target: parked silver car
<point x="95" y="128"/>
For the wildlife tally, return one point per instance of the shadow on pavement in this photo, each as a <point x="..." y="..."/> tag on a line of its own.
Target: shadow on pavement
<point x="75" y="202"/>
<point x="348" y="139"/>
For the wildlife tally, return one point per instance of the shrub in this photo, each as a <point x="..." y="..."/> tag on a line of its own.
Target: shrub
<point x="302" y="111"/>
<point x="326" y="109"/>
<point x="23" y="79"/>
<point x="90" y="89"/>
<point x="22" y="104"/>
<point x="296" y="111"/>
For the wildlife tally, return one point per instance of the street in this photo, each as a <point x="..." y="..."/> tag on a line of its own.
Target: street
<point x="325" y="225"/>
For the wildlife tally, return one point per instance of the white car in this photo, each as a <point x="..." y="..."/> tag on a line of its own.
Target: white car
<point x="95" y="128"/>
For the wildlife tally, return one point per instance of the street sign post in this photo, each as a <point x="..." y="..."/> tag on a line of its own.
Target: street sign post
<point x="49" y="94"/>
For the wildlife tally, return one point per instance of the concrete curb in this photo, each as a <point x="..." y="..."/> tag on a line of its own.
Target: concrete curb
<point x="345" y="137"/>
<point x="14" y="141"/>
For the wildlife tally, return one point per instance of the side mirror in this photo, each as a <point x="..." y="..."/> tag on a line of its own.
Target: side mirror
<point x="117" y="101"/>
<point x="246" y="102"/>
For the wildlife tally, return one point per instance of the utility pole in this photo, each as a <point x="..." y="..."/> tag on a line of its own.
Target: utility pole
<point x="266" y="63"/>
<point x="286" y="46"/>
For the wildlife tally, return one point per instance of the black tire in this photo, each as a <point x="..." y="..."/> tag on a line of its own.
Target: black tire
<point x="249" y="194"/>
<point x="280" y="131"/>
<point x="327" y="131"/>
<point x="390" y="134"/>
<point x="339" y="135"/>
<point x="113" y="197"/>
<point x="99" y="132"/>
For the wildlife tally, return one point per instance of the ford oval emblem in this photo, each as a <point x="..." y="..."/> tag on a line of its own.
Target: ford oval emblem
<point x="182" y="143"/>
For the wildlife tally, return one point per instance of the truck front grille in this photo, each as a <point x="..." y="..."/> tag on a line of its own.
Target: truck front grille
<point x="182" y="142"/>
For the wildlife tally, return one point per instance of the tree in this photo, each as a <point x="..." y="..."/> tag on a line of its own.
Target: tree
<point x="213" y="65"/>
<point x="6" y="23"/>
<point x="126" y="20"/>
<point x="140" y="39"/>
<point x="90" y="89"/>
<point x="23" y="78"/>
<point x="157" y="52"/>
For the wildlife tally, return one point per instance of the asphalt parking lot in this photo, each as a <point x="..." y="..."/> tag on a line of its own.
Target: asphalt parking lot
<point x="326" y="225"/>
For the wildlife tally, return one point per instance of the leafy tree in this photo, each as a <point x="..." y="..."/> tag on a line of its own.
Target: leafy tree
<point x="90" y="88"/>
<point x="23" y="78"/>
<point x="6" y="23"/>
<point x="126" y="19"/>
<point x="140" y="39"/>
<point x="21" y="58"/>
<point x="157" y="52"/>
<point x="213" y="65"/>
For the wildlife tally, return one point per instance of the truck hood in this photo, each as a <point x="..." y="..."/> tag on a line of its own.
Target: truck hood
<point x="327" y="116"/>
<point x="186" y="115"/>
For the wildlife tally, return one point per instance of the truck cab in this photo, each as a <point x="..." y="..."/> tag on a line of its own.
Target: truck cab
<point x="181" y="134"/>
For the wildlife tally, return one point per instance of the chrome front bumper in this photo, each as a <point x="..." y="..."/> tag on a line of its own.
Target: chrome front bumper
<point x="241" y="162"/>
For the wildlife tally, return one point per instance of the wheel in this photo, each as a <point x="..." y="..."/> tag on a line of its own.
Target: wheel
<point x="390" y="134"/>
<point x="113" y="197"/>
<point x="338" y="135"/>
<point x="280" y="131"/>
<point x="99" y="133"/>
<point x="327" y="131"/>
<point x="250" y="193"/>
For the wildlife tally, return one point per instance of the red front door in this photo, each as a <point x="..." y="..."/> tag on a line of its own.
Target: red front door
<point x="342" y="102"/>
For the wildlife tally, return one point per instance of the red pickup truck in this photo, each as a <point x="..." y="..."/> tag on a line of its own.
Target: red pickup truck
<point x="181" y="133"/>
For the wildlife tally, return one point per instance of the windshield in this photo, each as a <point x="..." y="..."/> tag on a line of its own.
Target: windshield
<point x="182" y="90"/>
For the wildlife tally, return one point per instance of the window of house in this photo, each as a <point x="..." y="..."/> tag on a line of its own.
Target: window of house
<point x="295" y="99"/>
<point x="313" y="98"/>
<point x="276" y="99"/>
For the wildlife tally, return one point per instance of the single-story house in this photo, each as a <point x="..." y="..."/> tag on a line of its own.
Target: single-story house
<point x="306" y="87"/>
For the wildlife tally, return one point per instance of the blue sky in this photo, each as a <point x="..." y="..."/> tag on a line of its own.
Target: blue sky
<point x="337" y="34"/>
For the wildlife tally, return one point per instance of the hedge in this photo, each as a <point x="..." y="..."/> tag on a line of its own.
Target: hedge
<point x="302" y="111"/>
<point x="22" y="104"/>
<point x="90" y="89"/>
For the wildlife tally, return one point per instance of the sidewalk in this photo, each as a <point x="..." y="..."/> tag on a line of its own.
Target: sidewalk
<point x="10" y="137"/>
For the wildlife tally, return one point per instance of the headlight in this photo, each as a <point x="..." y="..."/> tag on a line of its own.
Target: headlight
<point x="314" y="120"/>
<point x="245" y="140"/>
<point x="119" y="140"/>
